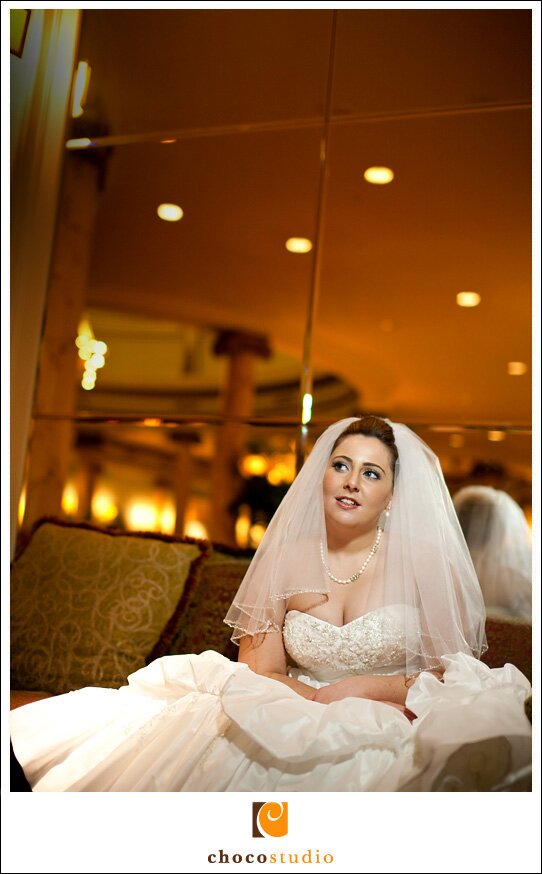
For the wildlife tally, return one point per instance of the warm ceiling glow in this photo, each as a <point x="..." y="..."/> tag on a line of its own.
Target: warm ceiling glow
<point x="103" y="505"/>
<point x="169" y="141"/>
<point x="299" y="245"/>
<point x="195" y="529"/>
<point x="256" y="533"/>
<point x="168" y="517"/>
<point x="70" y="499"/>
<point x="254" y="465"/>
<point x="142" y="515"/>
<point x="80" y="88"/>
<point x="242" y="526"/>
<point x="468" y="299"/>
<point x="517" y="368"/>
<point x="496" y="436"/>
<point x="170" y="212"/>
<point x="378" y="175"/>
<point x="152" y="423"/>
<point x="274" y="476"/>
<point x="282" y="472"/>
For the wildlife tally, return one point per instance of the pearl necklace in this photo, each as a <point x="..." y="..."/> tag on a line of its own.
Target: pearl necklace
<point x="363" y="568"/>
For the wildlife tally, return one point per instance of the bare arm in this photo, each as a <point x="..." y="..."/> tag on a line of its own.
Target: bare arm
<point x="377" y="688"/>
<point x="269" y="660"/>
<point x="389" y="688"/>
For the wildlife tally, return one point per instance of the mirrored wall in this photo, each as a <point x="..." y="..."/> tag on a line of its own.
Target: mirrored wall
<point x="287" y="264"/>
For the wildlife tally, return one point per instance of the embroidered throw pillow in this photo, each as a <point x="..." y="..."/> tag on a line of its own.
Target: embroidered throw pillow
<point x="197" y="623"/>
<point x="87" y="606"/>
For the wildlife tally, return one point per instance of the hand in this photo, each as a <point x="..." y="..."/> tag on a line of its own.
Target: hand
<point x="350" y="687"/>
<point x="404" y="710"/>
<point x="354" y="687"/>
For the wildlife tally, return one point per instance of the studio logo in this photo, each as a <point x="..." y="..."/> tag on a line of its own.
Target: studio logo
<point x="269" y="819"/>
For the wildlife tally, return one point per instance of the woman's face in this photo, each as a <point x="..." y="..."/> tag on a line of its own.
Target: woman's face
<point x="358" y="482"/>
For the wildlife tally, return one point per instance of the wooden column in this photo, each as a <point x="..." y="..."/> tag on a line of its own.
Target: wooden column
<point x="237" y="401"/>
<point x="59" y="372"/>
<point x="181" y="484"/>
<point x="40" y="82"/>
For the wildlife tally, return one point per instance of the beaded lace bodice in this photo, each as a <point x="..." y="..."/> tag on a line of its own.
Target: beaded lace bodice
<point x="373" y="643"/>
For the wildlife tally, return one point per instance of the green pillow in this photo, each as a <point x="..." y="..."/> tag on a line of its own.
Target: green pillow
<point x="87" y="606"/>
<point x="197" y="623"/>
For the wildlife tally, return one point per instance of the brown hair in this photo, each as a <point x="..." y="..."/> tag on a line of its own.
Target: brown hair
<point x="372" y="426"/>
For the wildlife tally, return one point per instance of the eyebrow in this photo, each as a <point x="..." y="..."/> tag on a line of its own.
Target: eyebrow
<point x="365" y="463"/>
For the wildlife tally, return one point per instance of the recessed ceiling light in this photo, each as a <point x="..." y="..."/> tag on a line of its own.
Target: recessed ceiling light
<point x="378" y="175"/>
<point x="172" y="140"/>
<point x="170" y="212"/>
<point x="468" y="299"/>
<point x="496" y="436"/>
<point x="517" y="368"/>
<point x="81" y="143"/>
<point x="299" y="245"/>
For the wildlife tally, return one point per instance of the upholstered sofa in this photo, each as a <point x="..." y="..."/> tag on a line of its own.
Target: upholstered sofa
<point x="89" y="606"/>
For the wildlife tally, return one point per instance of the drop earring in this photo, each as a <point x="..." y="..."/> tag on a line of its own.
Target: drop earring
<point x="384" y="517"/>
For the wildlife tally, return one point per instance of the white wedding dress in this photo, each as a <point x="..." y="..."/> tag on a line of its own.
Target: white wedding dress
<point x="194" y="723"/>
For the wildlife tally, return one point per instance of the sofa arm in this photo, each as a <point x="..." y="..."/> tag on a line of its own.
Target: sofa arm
<point x="20" y="697"/>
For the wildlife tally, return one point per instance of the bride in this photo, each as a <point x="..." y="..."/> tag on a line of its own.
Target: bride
<point x="360" y="625"/>
<point x="499" y="542"/>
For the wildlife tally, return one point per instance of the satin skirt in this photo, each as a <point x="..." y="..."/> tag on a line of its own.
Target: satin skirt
<point x="196" y="723"/>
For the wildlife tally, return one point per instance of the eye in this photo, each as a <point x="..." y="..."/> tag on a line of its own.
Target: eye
<point x="339" y="465"/>
<point x="371" y="474"/>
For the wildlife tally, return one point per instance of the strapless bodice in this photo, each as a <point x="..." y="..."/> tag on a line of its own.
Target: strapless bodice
<point x="371" y="644"/>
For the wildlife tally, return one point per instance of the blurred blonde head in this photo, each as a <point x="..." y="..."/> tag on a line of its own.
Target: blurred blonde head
<point x="499" y="541"/>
